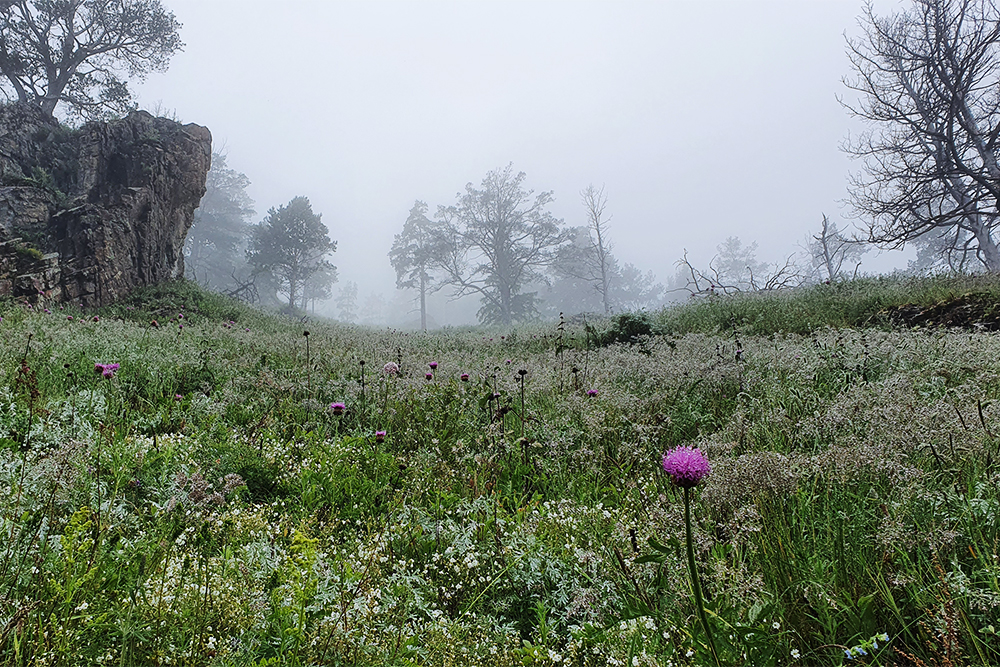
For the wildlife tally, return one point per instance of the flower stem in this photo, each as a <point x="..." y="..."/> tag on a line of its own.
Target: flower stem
<point x="695" y="582"/>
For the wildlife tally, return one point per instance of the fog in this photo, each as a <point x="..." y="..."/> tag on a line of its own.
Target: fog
<point x="702" y="120"/>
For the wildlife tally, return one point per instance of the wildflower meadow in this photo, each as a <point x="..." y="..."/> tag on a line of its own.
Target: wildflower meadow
<point x="786" y="479"/>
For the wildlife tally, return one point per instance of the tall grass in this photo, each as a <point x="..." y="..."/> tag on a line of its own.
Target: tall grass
<point x="205" y="506"/>
<point x="854" y="303"/>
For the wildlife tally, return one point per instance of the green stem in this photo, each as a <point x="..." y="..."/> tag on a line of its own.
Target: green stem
<point x="695" y="582"/>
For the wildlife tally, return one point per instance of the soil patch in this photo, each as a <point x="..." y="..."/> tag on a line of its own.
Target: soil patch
<point x="979" y="312"/>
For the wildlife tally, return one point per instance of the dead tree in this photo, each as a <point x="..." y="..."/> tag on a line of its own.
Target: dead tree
<point x="926" y="80"/>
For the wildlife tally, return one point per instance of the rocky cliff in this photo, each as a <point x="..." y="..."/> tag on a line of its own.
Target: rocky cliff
<point x="89" y="214"/>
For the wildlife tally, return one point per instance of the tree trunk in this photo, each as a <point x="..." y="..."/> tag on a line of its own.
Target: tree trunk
<point x="505" y="306"/>
<point x="423" y="301"/>
<point x="989" y="254"/>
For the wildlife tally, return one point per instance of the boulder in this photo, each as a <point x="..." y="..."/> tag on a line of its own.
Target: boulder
<point x="90" y="214"/>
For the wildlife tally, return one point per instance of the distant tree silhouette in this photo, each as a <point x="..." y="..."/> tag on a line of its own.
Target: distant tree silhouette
<point x="497" y="239"/>
<point x="416" y="252"/>
<point x="291" y="245"/>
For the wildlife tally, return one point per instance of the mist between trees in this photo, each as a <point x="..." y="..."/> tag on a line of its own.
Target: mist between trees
<point x="924" y="82"/>
<point x="497" y="246"/>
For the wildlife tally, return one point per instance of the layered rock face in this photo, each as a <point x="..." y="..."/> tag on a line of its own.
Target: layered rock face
<point x="88" y="215"/>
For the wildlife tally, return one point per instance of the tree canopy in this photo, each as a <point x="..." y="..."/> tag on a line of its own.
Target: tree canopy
<point x="291" y="244"/>
<point x="81" y="52"/>
<point x="416" y="251"/>
<point x="217" y="243"/>
<point x="497" y="239"/>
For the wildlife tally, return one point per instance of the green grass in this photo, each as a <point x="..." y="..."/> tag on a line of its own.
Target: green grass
<point x="205" y="506"/>
<point x="854" y="303"/>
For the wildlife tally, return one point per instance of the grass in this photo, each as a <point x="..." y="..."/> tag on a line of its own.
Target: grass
<point x="204" y="506"/>
<point x="854" y="303"/>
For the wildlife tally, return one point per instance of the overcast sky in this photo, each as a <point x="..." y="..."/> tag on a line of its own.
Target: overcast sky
<point x="701" y="119"/>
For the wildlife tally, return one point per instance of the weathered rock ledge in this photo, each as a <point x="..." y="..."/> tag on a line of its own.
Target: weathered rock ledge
<point x="88" y="215"/>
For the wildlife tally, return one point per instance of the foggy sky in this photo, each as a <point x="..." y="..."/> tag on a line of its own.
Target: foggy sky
<point x="701" y="119"/>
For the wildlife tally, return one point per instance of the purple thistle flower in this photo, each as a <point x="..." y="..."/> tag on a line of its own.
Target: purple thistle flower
<point x="592" y="393"/>
<point x="379" y="436"/>
<point x="337" y="408"/>
<point x="429" y="376"/>
<point x="107" y="370"/>
<point x="686" y="466"/>
<point x="464" y="377"/>
<point x="433" y="365"/>
<point x="391" y="368"/>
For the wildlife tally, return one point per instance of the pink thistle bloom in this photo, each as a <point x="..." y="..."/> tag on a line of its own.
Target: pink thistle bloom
<point x="337" y="408"/>
<point x="379" y="436"/>
<point x="96" y="318"/>
<point x="391" y="368"/>
<point x="178" y="397"/>
<point x="429" y="376"/>
<point x="433" y="365"/>
<point x="107" y="370"/>
<point x="687" y="466"/>
<point x="592" y="393"/>
<point x="464" y="377"/>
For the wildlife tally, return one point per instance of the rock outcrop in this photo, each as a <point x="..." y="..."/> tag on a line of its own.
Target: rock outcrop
<point x="88" y="215"/>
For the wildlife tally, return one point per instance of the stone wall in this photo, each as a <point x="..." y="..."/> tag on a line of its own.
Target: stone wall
<point x="88" y="215"/>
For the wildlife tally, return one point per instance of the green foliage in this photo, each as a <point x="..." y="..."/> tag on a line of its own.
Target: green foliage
<point x="855" y="303"/>
<point x="291" y="245"/>
<point x="215" y="249"/>
<point x="512" y="237"/>
<point x="86" y="72"/>
<point x="627" y="328"/>
<point x="28" y="252"/>
<point x="205" y="505"/>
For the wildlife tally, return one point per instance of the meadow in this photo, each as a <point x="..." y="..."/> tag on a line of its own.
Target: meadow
<point x="194" y="482"/>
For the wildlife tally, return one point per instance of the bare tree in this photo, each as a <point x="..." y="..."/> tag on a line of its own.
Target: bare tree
<point x="587" y="257"/>
<point x="927" y="80"/>
<point x="79" y="51"/>
<point x="736" y="269"/>
<point x="600" y="264"/>
<point x="830" y="249"/>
